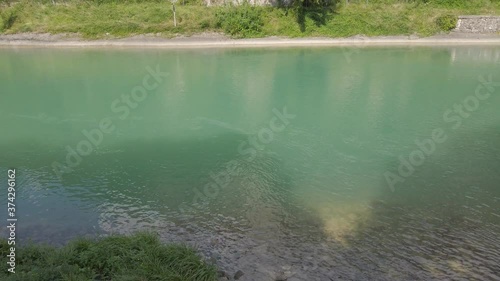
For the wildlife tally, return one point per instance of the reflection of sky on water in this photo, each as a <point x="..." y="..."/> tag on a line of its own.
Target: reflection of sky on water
<point x="475" y="55"/>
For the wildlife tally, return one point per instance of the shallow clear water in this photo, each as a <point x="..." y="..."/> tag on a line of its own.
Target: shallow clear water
<point x="207" y="155"/>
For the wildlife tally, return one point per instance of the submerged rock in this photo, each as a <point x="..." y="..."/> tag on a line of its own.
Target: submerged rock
<point x="283" y="276"/>
<point x="223" y="275"/>
<point x="238" y="274"/>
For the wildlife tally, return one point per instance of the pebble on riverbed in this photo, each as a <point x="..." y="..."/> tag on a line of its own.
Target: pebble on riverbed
<point x="223" y="275"/>
<point x="284" y="274"/>
<point x="238" y="274"/>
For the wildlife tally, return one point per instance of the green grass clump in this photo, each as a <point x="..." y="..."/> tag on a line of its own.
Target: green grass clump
<point x="447" y="22"/>
<point x="137" y="257"/>
<point x="240" y="21"/>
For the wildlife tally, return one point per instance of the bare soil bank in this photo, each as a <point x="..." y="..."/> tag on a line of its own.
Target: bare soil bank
<point x="209" y="40"/>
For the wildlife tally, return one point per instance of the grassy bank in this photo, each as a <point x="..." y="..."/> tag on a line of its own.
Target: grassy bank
<point x="138" y="257"/>
<point x="101" y="19"/>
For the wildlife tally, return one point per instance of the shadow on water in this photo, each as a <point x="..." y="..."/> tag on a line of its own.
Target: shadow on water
<point x="106" y="183"/>
<point x="166" y="174"/>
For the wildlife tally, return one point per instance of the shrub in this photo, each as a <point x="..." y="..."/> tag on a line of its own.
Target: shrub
<point x="447" y="22"/>
<point x="7" y="19"/>
<point x="240" y="21"/>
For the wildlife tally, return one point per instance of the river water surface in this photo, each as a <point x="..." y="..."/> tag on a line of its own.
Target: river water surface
<point x="312" y="164"/>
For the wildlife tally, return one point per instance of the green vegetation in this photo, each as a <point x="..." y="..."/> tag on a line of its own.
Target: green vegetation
<point x="329" y="18"/>
<point x="7" y="18"/>
<point x="241" y="21"/>
<point x="447" y="22"/>
<point x="138" y="257"/>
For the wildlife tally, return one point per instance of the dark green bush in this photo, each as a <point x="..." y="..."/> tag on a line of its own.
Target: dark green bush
<point x="447" y="22"/>
<point x="7" y="19"/>
<point x="240" y="21"/>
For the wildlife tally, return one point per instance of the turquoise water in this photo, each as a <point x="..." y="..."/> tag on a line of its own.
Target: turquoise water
<point x="320" y="164"/>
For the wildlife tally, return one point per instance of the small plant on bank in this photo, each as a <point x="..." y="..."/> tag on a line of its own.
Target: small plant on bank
<point x="447" y="22"/>
<point x="240" y="21"/>
<point x="138" y="257"/>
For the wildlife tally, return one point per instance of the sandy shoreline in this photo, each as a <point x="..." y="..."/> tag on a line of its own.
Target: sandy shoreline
<point x="218" y="40"/>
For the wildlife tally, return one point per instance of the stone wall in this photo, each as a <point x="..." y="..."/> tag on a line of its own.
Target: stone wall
<point x="478" y="24"/>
